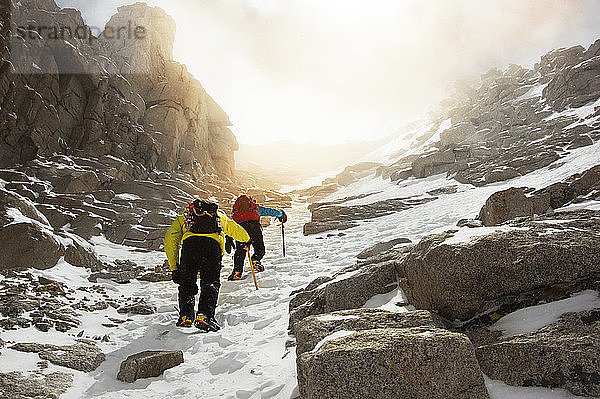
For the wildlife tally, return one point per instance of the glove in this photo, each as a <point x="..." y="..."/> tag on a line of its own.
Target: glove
<point x="283" y="217"/>
<point x="229" y="244"/>
<point x="176" y="275"/>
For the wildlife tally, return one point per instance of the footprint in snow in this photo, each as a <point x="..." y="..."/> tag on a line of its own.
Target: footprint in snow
<point x="268" y="283"/>
<point x="244" y="394"/>
<point x="228" y="363"/>
<point x="271" y="392"/>
<point x="233" y="319"/>
<point x="259" y="325"/>
<point x="223" y="342"/>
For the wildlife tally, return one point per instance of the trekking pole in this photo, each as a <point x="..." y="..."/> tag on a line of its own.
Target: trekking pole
<point x="283" y="238"/>
<point x="252" y="267"/>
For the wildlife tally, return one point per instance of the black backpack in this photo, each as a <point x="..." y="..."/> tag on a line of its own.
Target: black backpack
<point x="201" y="218"/>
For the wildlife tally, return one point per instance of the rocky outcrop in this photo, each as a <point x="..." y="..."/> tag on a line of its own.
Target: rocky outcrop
<point x="561" y="355"/>
<point x="15" y="385"/>
<point x="523" y="263"/>
<point x="148" y="364"/>
<point x="312" y="329"/>
<point x="83" y="356"/>
<point x="391" y="363"/>
<point x="130" y="206"/>
<point x="112" y="137"/>
<point x="350" y="288"/>
<point x="11" y="202"/>
<point x="80" y="255"/>
<point x="497" y="268"/>
<point x="33" y="245"/>
<point x="574" y="189"/>
<point x="506" y="124"/>
<point x="578" y="83"/>
<point x="355" y="172"/>
<point x="432" y="164"/>
<point x="338" y="216"/>
<point x="505" y="205"/>
<point x="513" y="203"/>
<point x="27" y="245"/>
<point x="119" y="94"/>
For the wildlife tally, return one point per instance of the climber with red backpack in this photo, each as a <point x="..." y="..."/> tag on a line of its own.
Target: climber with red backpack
<point x="247" y="213"/>
<point x="201" y="233"/>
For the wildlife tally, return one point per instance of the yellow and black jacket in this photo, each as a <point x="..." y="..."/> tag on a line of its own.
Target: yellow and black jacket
<point x="177" y="233"/>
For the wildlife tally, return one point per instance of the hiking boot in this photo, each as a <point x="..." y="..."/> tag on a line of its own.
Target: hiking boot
<point x="206" y="323"/>
<point x="234" y="276"/>
<point x="184" y="321"/>
<point x="258" y="267"/>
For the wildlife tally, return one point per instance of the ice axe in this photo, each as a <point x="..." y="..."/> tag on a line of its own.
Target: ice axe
<point x="252" y="267"/>
<point x="283" y="238"/>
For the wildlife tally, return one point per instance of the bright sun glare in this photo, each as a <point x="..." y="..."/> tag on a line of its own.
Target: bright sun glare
<point x="272" y="99"/>
<point x="334" y="71"/>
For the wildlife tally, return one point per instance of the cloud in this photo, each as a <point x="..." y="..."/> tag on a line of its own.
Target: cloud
<point x="344" y="69"/>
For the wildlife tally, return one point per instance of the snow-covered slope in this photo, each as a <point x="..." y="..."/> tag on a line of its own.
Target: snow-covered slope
<point x="248" y="357"/>
<point x="446" y="209"/>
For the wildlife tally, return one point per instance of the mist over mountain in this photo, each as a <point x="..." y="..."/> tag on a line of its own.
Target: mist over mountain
<point x="289" y="162"/>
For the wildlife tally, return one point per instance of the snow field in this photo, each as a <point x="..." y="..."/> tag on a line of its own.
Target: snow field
<point x="248" y="357"/>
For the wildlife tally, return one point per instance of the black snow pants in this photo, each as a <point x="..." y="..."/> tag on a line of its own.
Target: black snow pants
<point x="199" y="255"/>
<point x="254" y="230"/>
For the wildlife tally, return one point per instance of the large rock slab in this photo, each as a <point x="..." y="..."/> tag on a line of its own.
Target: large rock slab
<point x="388" y="363"/>
<point x="15" y="385"/>
<point x="321" y="227"/>
<point x="13" y="201"/>
<point x="79" y="255"/>
<point x="562" y="355"/>
<point x="27" y="245"/>
<point x="505" y="205"/>
<point x="83" y="356"/>
<point x="349" y="289"/>
<point x="148" y="364"/>
<point x="432" y="164"/>
<point x="560" y="194"/>
<point x="336" y="215"/>
<point x="312" y="329"/>
<point x="460" y="280"/>
<point x="513" y="203"/>
<point x="575" y="86"/>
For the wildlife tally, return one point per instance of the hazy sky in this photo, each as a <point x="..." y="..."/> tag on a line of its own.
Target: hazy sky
<point x="338" y="70"/>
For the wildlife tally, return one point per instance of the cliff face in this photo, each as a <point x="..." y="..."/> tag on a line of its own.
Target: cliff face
<point x="66" y="89"/>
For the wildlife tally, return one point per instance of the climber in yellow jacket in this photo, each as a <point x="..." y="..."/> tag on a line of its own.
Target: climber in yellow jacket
<point x="200" y="232"/>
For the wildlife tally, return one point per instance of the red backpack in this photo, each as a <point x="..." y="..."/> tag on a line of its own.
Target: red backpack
<point x="245" y="209"/>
